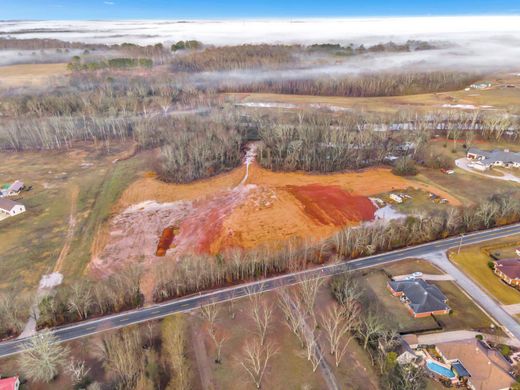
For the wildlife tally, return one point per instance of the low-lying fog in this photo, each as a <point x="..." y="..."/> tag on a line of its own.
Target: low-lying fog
<point x="231" y="32"/>
<point x="471" y="43"/>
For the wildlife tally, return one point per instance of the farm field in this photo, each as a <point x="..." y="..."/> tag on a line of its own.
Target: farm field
<point x="72" y="193"/>
<point x="473" y="260"/>
<point x="30" y="75"/>
<point x="465" y="314"/>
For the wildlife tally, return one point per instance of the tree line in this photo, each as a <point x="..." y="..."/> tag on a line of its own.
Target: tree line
<point x="364" y="85"/>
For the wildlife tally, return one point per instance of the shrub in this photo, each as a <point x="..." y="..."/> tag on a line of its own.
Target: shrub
<point x="405" y="166"/>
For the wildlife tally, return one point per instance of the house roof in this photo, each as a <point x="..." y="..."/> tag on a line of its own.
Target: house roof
<point x="509" y="267"/>
<point x="491" y="156"/>
<point x="487" y="367"/>
<point x="8" y="383"/>
<point x="423" y="297"/>
<point x="16" y="186"/>
<point x="8" y="204"/>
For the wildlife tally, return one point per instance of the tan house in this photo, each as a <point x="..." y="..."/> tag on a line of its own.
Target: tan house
<point x="482" y="368"/>
<point x="509" y="271"/>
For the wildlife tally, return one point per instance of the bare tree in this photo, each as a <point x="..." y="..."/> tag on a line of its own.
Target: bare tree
<point x="261" y="313"/>
<point x="371" y="326"/>
<point x="313" y="349"/>
<point x="122" y="355"/>
<point x="43" y="357"/>
<point x="210" y="312"/>
<point x="293" y="318"/>
<point x="255" y="358"/>
<point x="77" y="370"/>
<point x="339" y="324"/>
<point x="308" y="291"/>
<point x="219" y="338"/>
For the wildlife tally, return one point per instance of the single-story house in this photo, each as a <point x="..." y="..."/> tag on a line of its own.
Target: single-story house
<point x="10" y="207"/>
<point x="473" y="362"/>
<point x="12" y="383"/>
<point x="422" y="299"/>
<point x="12" y="189"/>
<point x="509" y="271"/>
<point x="483" y="159"/>
<point x="15" y="188"/>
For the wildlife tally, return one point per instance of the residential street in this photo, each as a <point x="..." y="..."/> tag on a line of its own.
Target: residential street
<point x="433" y="251"/>
<point x="476" y="293"/>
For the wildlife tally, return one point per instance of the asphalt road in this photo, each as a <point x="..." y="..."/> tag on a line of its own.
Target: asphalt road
<point x="124" y="319"/>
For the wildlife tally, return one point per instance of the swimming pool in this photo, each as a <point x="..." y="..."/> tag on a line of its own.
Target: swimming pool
<point x="440" y="370"/>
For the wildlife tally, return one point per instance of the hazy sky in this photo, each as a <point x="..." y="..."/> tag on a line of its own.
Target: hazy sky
<point x="207" y="9"/>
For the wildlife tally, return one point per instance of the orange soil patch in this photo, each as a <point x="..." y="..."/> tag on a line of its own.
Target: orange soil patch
<point x="150" y="188"/>
<point x="332" y="205"/>
<point x="271" y="207"/>
<point x="365" y="182"/>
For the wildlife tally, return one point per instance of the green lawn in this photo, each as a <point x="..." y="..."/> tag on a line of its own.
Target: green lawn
<point x="473" y="260"/>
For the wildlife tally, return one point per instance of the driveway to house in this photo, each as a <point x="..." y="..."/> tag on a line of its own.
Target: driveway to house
<point x="426" y="277"/>
<point x="458" y="335"/>
<point x="476" y="293"/>
<point x="463" y="163"/>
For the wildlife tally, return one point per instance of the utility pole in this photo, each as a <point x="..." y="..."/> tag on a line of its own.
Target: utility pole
<point x="460" y="242"/>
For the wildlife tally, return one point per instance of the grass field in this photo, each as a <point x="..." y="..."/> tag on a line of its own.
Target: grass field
<point x="32" y="242"/>
<point x="30" y="74"/>
<point x="473" y="260"/>
<point x="465" y="314"/>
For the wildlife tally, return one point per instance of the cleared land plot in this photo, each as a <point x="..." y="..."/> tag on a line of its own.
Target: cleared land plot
<point x="31" y="242"/>
<point x="473" y="260"/>
<point x="465" y="314"/>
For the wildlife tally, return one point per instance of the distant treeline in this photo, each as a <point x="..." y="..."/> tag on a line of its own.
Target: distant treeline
<point x="48" y="43"/>
<point x="114" y="63"/>
<point x="273" y="56"/>
<point x="369" y="85"/>
<point x="390" y="47"/>
<point x="235" y="57"/>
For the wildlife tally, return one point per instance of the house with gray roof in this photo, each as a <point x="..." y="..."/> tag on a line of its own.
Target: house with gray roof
<point x="484" y="159"/>
<point x="10" y="208"/>
<point x="421" y="298"/>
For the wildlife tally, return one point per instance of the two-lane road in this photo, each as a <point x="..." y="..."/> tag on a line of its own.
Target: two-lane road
<point x="124" y="319"/>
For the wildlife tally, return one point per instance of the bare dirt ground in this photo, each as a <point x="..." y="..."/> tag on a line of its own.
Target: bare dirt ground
<point x="243" y="208"/>
<point x="30" y="74"/>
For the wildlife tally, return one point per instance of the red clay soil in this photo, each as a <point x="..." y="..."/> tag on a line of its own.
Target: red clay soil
<point x="165" y="241"/>
<point x="330" y="205"/>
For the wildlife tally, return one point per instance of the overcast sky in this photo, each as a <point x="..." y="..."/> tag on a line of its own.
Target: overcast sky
<point x="208" y="9"/>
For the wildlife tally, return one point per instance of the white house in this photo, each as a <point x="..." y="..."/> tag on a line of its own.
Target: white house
<point x="10" y="207"/>
<point x="483" y="159"/>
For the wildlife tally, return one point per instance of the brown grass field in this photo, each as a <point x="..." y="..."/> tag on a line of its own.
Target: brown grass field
<point x="30" y="74"/>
